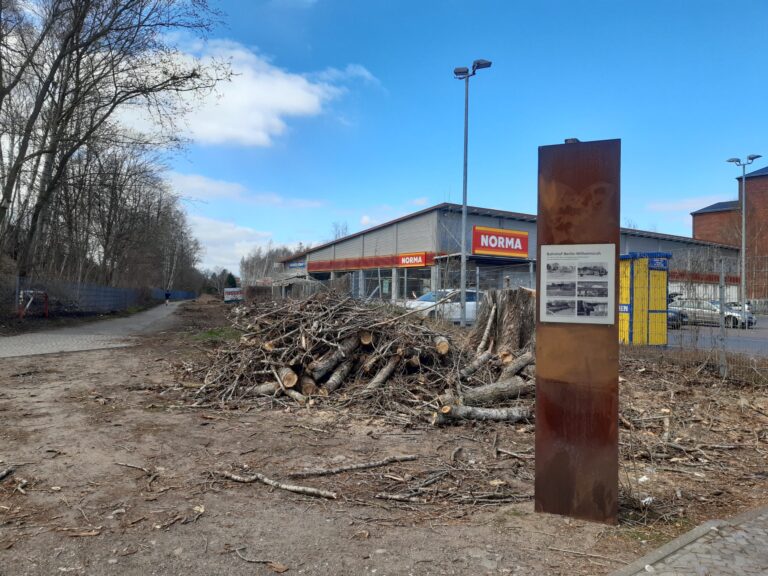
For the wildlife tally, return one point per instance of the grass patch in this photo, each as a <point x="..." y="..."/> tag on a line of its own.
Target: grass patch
<point x="214" y="335"/>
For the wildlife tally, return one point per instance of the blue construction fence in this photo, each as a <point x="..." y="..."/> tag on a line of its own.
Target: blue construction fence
<point x="55" y="297"/>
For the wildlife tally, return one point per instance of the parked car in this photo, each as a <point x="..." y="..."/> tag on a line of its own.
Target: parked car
<point x="702" y="312"/>
<point x="450" y="309"/>
<point x="737" y="305"/>
<point x="672" y="296"/>
<point x="676" y="319"/>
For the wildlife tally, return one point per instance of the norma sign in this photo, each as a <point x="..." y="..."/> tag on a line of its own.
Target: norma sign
<point x="412" y="260"/>
<point x="499" y="242"/>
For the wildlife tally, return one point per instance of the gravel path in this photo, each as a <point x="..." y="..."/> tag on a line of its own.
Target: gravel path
<point x="112" y="333"/>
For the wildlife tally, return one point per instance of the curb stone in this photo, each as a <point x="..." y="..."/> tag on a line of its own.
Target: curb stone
<point x="658" y="555"/>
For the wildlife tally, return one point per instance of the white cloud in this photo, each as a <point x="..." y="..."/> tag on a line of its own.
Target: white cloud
<point x="687" y="204"/>
<point x="225" y="242"/>
<point x="199" y="187"/>
<point x="350" y="72"/>
<point x="366" y="220"/>
<point x="253" y="109"/>
<point x="423" y="201"/>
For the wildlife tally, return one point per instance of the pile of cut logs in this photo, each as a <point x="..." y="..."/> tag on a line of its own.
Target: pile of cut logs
<point x="390" y="362"/>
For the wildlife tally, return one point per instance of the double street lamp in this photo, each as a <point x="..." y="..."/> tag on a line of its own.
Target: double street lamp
<point x="465" y="74"/>
<point x="743" y="196"/>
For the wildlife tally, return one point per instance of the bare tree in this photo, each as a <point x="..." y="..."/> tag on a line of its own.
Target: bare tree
<point x="340" y="229"/>
<point x="85" y="60"/>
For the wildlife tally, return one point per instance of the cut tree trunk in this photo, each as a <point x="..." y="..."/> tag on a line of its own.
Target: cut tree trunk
<point x="308" y="386"/>
<point x="442" y="345"/>
<point x="321" y="367"/>
<point x="516" y="365"/>
<point x="491" y="393"/>
<point x="383" y="375"/>
<point x="452" y="413"/>
<point x="366" y="337"/>
<point x="288" y="377"/>
<point x="339" y="375"/>
<point x="513" y="320"/>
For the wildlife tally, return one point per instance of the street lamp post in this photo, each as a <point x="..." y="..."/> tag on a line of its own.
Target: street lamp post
<point x="743" y="196"/>
<point x="465" y="74"/>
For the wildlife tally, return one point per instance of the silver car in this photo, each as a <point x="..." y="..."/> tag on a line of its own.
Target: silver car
<point x="450" y="307"/>
<point x="705" y="313"/>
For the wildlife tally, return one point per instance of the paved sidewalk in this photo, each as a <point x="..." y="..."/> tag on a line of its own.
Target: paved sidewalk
<point x="737" y="547"/>
<point x="112" y="333"/>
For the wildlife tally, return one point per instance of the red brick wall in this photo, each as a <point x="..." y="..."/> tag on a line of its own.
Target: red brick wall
<point x="720" y="227"/>
<point x="757" y="237"/>
<point x="757" y="216"/>
<point x="725" y="228"/>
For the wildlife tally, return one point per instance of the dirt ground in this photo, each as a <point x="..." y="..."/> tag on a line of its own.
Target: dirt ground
<point x="115" y="474"/>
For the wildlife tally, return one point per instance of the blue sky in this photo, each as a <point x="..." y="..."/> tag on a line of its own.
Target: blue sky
<point x="347" y="110"/>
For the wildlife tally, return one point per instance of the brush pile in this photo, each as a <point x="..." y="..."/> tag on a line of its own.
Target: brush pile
<point x="331" y="348"/>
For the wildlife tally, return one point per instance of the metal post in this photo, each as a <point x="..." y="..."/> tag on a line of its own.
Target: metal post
<point x="405" y="283"/>
<point x="744" y="243"/>
<point x="477" y="280"/>
<point x="723" y="362"/>
<point x="531" y="276"/>
<point x="395" y="285"/>
<point x="463" y="279"/>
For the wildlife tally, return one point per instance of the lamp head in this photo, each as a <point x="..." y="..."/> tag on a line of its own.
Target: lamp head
<point x="752" y="157"/>
<point x="461" y="72"/>
<point x="479" y="64"/>
<point x="734" y="160"/>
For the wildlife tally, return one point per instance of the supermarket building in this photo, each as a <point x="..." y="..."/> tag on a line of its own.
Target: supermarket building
<point x="419" y="252"/>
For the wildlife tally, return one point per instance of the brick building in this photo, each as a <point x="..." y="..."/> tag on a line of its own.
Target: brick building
<point x="721" y="223"/>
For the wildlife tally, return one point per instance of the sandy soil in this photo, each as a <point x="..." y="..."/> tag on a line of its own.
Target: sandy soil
<point x="115" y="476"/>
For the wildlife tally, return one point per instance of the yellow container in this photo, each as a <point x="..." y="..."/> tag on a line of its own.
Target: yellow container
<point x="643" y="280"/>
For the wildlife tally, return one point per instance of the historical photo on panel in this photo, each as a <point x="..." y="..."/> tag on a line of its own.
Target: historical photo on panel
<point x="561" y="289"/>
<point x="561" y="308"/>
<point x="593" y="270"/>
<point x="561" y="271"/>
<point x="593" y="289"/>
<point x="592" y="308"/>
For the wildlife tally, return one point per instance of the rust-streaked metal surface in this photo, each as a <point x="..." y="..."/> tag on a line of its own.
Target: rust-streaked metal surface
<point x="577" y="366"/>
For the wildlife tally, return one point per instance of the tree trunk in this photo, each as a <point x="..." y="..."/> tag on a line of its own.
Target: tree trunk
<point x="516" y="365"/>
<point x="338" y="376"/>
<point x="452" y="413"/>
<point x="442" y="345"/>
<point x="490" y="393"/>
<point x="383" y="375"/>
<point x="288" y="377"/>
<point x="321" y="367"/>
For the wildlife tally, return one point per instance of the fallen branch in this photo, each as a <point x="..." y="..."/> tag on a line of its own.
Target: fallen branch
<point x="383" y="375"/>
<point x="256" y="477"/>
<point x="7" y="472"/>
<point x="362" y="466"/>
<point x="455" y="412"/>
<point x="476" y="364"/>
<point x="487" y="332"/>
<point x="400" y="498"/>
